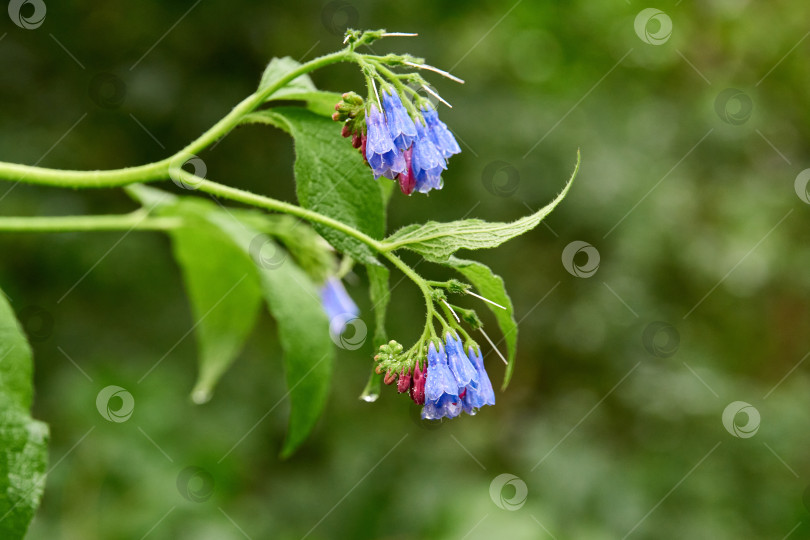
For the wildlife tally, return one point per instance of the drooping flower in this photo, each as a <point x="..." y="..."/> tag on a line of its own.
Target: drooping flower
<point x="440" y="380"/>
<point x="476" y="397"/>
<point x="412" y="152"/>
<point x="427" y="162"/>
<point x="448" y="382"/>
<point x="446" y="407"/>
<point x="442" y="138"/>
<point x="381" y="154"/>
<point x="400" y="124"/>
<point x="441" y="390"/>
<point x="460" y="366"/>
<point x="338" y="305"/>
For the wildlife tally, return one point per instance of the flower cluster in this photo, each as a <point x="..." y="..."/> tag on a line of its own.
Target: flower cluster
<point x="412" y="150"/>
<point x="453" y="379"/>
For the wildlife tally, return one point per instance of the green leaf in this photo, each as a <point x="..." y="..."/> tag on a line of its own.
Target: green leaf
<point x="223" y="287"/>
<point x="305" y="245"/>
<point x="294" y="301"/>
<point x="380" y="297"/>
<point x="16" y="366"/>
<point x="332" y="179"/>
<point x="278" y="68"/>
<point x="245" y="266"/>
<point x="438" y="241"/>
<point x="23" y="441"/>
<point x="491" y="286"/>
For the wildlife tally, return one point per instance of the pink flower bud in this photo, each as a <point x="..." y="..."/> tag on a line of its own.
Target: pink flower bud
<point x="418" y="386"/>
<point x="407" y="181"/>
<point x="404" y="382"/>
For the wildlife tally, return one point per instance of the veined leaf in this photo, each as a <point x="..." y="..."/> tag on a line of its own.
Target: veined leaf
<point x="332" y="179"/>
<point x="223" y="287"/>
<point x="23" y="441"/>
<point x="491" y="286"/>
<point x="437" y="241"/>
<point x="291" y="296"/>
<point x="302" y="324"/>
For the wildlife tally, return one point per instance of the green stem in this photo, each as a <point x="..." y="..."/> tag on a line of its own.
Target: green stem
<point x="138" y="220"/>
<point x="395" y="78"/>
<point x="426" y="292"/>
<point x="416" y="278"/>
<point x="250" y="103"/>
<point x="160" y="169"/>
<point x="260" y="201"/>
<point x="171" y="167"/>
<point x="84" y="179"/>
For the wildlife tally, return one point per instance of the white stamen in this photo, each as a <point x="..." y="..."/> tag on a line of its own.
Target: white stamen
<point x="494" y="347"/>
<point x="399" y="34"/>
<point x="346" y="38"/>
<point x="451" y="310"/>
<point x="437" y="96"/>
<point x="374" y="86"/>
<point x="486" y="300"/>
<point x="435" y="70"/>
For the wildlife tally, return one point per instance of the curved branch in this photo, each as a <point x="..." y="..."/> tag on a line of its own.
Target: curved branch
<point x="260" y="201"/>
<point x="160" y="169"/>
<point x="138" y="220"/>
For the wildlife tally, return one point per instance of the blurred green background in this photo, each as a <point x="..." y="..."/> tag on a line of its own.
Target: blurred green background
<point x="686" y="192"/>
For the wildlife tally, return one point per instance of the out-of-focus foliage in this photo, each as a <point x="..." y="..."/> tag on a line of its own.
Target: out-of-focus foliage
<point x="692" y="211"/>
<point x="24" y="441"/>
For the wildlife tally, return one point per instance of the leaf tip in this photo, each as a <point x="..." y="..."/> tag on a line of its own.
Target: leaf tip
<point x="288" y="449"/>
<point x="201" y="396"/>
<point x="505" y="383"/>
<point x="369" y="397"/>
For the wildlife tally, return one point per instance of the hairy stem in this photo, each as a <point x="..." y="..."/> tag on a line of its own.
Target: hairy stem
<point x="250" y="103"/>
<point x="138" y="220"/>
<point x="423" y="286"/>
<point x="171" y="167"/>
<point x="160" y="169"/>
<point x="260" y="201"/>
